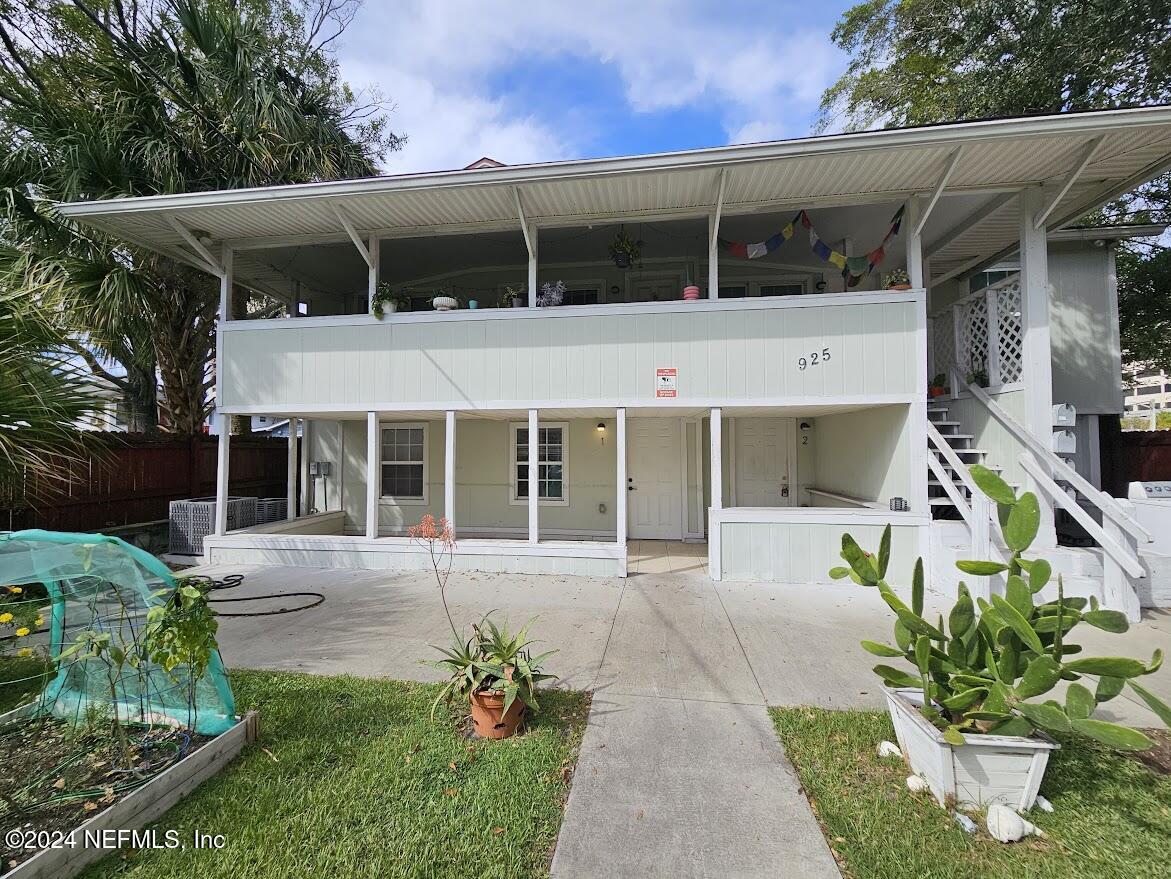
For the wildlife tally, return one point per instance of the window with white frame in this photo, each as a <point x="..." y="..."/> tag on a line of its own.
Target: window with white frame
<point x="552" y="449"/>
<point x="404" y="463"/>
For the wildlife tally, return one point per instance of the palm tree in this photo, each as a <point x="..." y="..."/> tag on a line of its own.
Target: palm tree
<point x="42" y="395"/>
<point x="132" y="99"/>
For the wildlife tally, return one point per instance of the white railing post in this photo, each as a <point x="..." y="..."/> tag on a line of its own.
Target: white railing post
<point x="1117" y="590"/>
<point x="449" y="470"/>
<point x="991" y="296"/>
<point x="716" y="480"/>
<point x="223" y="461"/>
<point x="981" y="542"/>
<point x="534" y="477"/>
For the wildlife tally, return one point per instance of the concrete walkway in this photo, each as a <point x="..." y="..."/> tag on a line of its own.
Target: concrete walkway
<point x="680" y="772"/>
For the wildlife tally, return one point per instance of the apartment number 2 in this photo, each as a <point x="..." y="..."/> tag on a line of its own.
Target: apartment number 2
<point x="814" y="359"/>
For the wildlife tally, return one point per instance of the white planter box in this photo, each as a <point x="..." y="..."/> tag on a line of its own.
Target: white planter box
<point x="987" y="769"/>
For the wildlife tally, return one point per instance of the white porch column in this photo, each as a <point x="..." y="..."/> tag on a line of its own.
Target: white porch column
<point x="534" y="453"/>
<point x="291" y="473"/>
<point x="372" y="273"/>
<point x="449" y="470"/>
<point x="532" y="242"/>
<point x="373" y="474"/>
<point x="717" y="462"/>
<point x="620" y="454"/>
<point x="713" y="256"/>
<point x="914" y="242"/>
<point x="717" y="502"/>
<point x="221" y="475"/>
<point x="1037" y="357"/>
<point x="306" y="485"/>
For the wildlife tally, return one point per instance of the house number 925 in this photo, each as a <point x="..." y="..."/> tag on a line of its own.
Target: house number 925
<point x="814" y="359"/>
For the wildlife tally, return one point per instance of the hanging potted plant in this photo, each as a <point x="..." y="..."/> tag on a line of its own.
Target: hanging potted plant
<point x="386" y="301"/>
<point x="968" y="713"/>
<point x="443" y="302"/>
<point x="897" y="279"/>
<point x="623" y="250"/>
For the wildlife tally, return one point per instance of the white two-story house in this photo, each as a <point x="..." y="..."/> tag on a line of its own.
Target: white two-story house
<point x="725" y="367"/>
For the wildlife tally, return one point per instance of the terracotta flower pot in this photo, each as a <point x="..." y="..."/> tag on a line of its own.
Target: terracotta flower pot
<point x="899" y="287"/>
<point x="936" y="391"/>
<point x="488" y="717"/>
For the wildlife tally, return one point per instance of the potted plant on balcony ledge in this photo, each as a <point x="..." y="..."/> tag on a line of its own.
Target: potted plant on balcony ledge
<point x="966" y="714"/>
<point x="897" y="279"/>
<point x="443" y="302"/>
<point x="387" y="301"/>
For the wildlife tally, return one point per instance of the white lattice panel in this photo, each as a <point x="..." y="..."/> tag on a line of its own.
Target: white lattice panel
<point x="973" y="335"/>
<point x="943" y="343"/>
<point x="1010" y="335"/>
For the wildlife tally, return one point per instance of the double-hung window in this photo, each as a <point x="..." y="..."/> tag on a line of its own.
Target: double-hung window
<point x="404" y="463"/>
<point x="552" y="451"/>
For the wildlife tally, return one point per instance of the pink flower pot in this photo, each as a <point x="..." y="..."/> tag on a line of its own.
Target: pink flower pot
<point x="691" y="292"/>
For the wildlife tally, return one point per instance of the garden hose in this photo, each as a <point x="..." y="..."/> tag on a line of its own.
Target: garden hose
<point x="231" y="581"/>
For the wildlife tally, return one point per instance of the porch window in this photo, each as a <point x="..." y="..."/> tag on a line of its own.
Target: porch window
<point x="404" y="463"/>
<point x="552" y="458"/>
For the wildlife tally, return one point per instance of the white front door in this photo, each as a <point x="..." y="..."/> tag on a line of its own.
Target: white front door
<point x="762" y="462"/>
<point x="654" y="497"/>
<point x="655" y="290"/>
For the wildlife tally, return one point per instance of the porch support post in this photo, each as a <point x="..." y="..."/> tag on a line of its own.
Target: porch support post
<point x="221" y="475"/>
<point x="914" y="242"/>
<point x="534" y="453"/>
<point x="291" y="473"/>
<point x="1037" y="358"/>
<point x="531" y="240"/>
<point x="372" y="273"/>
<point x="449" y="470"/>
<point x="373" y="482"/>
<point x="225" y="315"/>
<point x="717" y="502"/>
<point x="620" y="454"/>
<point x="717" y="477"/>
<point x="306" y="485"/>
<point x="713" y="242"/>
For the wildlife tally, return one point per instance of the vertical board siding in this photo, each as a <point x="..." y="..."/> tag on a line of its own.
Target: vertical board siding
<point x="731" y="355"/>
<point x="803" y="552"/>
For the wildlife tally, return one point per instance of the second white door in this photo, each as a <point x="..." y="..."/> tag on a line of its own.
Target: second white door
<point x="762" y="462"/>
<point x="654" y="497"/>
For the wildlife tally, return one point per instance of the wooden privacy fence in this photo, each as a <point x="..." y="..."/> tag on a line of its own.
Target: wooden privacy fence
<point x="1132" y="456"/>
<point x="131" y="478"/>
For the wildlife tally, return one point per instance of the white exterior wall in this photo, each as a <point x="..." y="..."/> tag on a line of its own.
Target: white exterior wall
<point x="864" y="454"/>
<point x="990" y="435"/>
<point x="725" y="352"/>
<point x="803" y="552"/>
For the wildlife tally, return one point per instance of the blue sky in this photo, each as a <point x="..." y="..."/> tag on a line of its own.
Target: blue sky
<point x="525" y="82"/>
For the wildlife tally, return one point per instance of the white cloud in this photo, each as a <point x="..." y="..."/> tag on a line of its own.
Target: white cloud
<point x="762" y="76"/>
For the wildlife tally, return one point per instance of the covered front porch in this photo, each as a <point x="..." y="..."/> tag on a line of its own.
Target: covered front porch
<point x="736" y="492"/>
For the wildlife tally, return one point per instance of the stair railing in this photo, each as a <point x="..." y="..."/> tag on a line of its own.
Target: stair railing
<point x="977" y="516"/>
<point x="1119" y="534"/>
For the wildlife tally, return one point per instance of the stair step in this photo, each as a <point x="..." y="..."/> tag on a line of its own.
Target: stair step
<point x="948" y="423"/>
<point x="939" y="502"/>
<point x="970" y="451"/>
<point x="963" y="436"/>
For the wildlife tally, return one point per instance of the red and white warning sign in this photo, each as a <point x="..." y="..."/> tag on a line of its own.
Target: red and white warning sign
<point x="667" y="382"/>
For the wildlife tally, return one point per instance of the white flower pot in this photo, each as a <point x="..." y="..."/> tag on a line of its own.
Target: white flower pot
<point x="445" y="303"/>
<point x="984" y="770"/>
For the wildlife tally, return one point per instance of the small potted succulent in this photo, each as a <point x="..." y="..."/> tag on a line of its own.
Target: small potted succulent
<point x="897" y="279"/>
<point x="386" y="301"/>
<point x="444" y="302"/>
<point x="513" y="297"/>
<point x="623" y="250"/>
<point x="497" y="674"/>
<point x="937" y="387"/>
<point x="968" y="713"/>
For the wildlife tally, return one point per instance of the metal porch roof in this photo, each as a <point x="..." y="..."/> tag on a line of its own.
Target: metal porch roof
<point x="997" y="157"/>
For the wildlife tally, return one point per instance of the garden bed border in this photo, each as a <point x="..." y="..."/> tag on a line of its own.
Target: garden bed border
<point x="142" y="805"/>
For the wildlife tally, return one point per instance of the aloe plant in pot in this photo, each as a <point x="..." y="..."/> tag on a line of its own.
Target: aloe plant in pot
<point x="497" y="674"/>
<point x="971" y="712"/>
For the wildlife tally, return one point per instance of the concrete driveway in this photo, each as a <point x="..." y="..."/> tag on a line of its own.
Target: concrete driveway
<point x="680" y="772"/>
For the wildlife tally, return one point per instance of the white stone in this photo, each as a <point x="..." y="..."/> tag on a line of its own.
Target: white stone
<point x="916" y="784"/>
<point x="889" y="749"/>
<point x="1005" y="825"/>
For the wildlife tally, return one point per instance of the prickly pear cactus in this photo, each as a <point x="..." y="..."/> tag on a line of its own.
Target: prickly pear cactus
<point x="987" y="667"/>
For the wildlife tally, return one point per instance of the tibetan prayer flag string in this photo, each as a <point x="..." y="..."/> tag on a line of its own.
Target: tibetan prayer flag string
<point x="853" y="268"/>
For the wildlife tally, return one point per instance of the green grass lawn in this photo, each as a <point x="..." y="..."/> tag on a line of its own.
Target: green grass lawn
<point x="1112" y="815"/>
<point x="351" y="778"/>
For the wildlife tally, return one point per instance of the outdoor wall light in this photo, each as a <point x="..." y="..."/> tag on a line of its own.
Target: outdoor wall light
<point x="805" y="425"/>
<point x="601" y="429"/>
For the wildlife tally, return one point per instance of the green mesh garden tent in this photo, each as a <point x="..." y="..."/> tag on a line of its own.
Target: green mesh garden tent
<point x="105" y="585"/>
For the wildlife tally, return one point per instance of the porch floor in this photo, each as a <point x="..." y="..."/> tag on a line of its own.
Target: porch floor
<point x="665" y="557"/>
